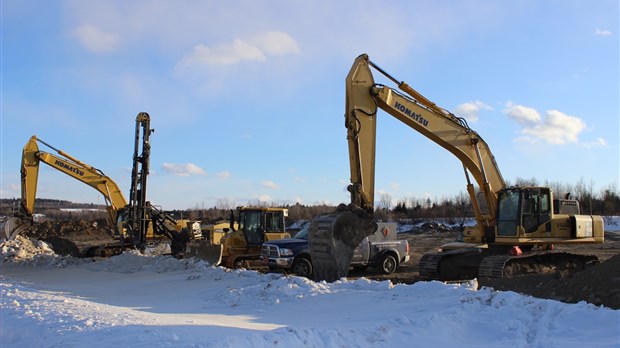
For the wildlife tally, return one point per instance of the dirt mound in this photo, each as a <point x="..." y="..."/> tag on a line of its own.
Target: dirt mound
<point x="74" y="238"/>
<point x="433" y="227"/>
<point x="77" y="230"/>
<point x="599" y="285"/>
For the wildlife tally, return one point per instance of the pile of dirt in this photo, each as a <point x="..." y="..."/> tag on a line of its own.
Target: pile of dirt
<point x="73" y="238"/>
<point x="75" y="230"/>
<point x="432" y="227"/>
<point x="599" y="285"/>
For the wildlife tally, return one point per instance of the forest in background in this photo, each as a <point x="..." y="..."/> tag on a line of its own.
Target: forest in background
<point x="604" y="202"/>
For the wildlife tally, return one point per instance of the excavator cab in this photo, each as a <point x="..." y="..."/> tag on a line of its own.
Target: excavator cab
<point x="522" y="210"/>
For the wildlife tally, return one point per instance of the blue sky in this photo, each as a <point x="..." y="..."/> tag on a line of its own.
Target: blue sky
<point x="247" y="97"/>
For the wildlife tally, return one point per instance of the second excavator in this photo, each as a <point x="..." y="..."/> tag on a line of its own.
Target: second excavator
<point x="510" y="220"/>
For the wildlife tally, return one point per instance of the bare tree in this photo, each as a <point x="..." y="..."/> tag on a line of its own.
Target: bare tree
<point x="225" y="204"/>
<point x="385" y="201"/>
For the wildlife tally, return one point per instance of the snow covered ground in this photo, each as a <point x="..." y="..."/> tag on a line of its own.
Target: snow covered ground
<point x="157" y="301"/>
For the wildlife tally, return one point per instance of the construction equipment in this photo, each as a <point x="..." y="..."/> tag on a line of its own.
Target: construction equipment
<point x="143" y="222"/>
<point x="243" y="244"/>
<point x="135" y="223"/>
<point x="32" y="157"/>
<point x="508" y="218"/>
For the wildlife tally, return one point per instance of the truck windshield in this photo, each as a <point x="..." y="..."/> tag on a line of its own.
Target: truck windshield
<point x="302" y="234"/>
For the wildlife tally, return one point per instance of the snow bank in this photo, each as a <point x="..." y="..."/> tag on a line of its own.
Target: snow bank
<point x="35" y="253"/>
<point x="145" y="301"/>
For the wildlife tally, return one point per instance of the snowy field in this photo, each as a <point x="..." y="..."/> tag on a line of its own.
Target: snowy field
<point x="157" y="301"/>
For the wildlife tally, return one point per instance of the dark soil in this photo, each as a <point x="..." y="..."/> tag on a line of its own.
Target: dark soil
<point x="73" y="238"/>
<point x="598" y="284"/>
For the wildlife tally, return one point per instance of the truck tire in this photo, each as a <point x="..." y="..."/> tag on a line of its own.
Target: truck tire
<point x="388" y="264"/>
<point x="302" y="267"/>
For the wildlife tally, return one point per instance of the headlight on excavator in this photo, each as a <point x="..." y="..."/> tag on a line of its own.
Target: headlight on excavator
<point x="286" y="252"/>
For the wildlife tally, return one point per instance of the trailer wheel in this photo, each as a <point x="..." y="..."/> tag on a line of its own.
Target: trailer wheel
<point x="388" y="264"/>
<point x="302" y="267"/>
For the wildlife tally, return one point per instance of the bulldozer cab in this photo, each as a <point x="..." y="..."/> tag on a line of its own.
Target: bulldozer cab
<point x="262" y="224"/>
<point x="522" y="210"/>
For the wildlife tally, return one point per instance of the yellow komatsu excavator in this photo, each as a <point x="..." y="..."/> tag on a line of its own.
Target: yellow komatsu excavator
<point x="508" y="218"/>
<point x="89" y="175"/>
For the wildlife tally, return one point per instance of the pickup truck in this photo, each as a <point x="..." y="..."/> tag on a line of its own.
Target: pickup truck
<point x="381" y="249"/>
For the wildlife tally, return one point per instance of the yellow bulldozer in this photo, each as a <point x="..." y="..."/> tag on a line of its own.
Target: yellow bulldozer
<point x="241" y="238"/>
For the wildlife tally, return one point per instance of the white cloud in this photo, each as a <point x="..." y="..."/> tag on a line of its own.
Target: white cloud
<point x="270" y="185"/>
<point x="186" y="169"/>
<point x="96" y="40"/>
<point x="522" y="114"/>
<point x="264" y="198"/>
<point x="299" y="179"/>
<point x="599" y="142"/>
<point x="556" y="127"/>
<point x="601" y="32"/>
<point x="276" y="43"/>
<point x="470" y="110"/>
<point x="257" y="48"/>
<point x="223" y="175"/>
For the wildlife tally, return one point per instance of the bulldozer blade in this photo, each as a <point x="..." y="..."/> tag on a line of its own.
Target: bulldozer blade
<point x="202" y="249"/>
<point x="332" y="238"/>
<point x="14" y="226"/>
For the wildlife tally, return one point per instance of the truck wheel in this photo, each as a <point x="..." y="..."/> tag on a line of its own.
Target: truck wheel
<point x="388" y="264"/>
<point x="302" y="267"/>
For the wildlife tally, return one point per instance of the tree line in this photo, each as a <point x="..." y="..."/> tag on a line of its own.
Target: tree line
<point x="605" y="202"/>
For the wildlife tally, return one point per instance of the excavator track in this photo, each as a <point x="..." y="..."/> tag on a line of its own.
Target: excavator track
<point x="541" y="262"/>
<point x="469" y="264"/>
<point x="456" y="264"/>
<point x="429" y="266"/>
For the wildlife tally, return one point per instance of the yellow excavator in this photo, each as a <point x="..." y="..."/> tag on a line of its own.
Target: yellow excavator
<point x="516" y="226"/>
<point x="135" y="222"/>
<point x="65" y="163"/>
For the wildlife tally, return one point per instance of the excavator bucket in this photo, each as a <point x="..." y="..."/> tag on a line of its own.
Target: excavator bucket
<point x="14" y="226"/>
<point x="333" y="237"/>
<point x="203" y="249"/>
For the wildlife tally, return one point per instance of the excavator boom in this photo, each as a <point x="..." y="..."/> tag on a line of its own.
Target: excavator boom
<point x="364" y="97"/>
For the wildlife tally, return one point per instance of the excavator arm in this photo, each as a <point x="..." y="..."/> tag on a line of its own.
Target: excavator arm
<point x="363" y="99"/>
<point x="32" y="156"/>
